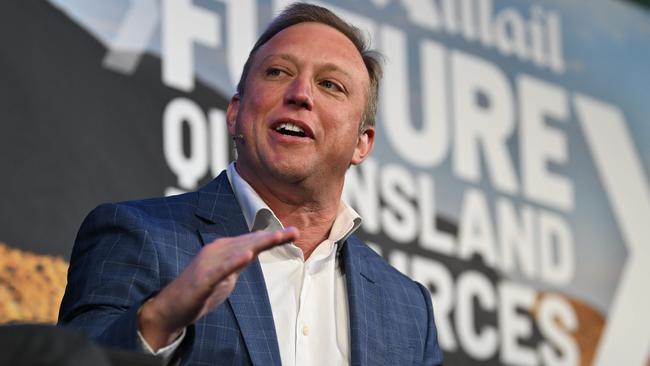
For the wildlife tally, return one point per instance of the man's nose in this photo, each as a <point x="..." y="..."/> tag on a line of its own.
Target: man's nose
<point x="299" y="93"/>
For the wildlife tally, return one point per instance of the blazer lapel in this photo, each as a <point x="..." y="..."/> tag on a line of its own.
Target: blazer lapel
<point x="249" y="300"/>
<point x="366" y="307"/>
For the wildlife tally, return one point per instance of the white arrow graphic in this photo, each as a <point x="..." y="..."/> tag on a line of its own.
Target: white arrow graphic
<point x="626" y="336"/>
<point x="133" y="36"/>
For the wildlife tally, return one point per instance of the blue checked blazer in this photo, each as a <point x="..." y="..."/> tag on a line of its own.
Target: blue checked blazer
<point x="126" y="252"/>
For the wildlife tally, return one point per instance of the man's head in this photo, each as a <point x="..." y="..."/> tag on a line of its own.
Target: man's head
<point x="305" y="103"/>
<point x="302" y="13"/>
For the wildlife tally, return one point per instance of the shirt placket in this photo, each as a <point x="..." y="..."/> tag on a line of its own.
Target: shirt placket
<point x="303" y="321"/>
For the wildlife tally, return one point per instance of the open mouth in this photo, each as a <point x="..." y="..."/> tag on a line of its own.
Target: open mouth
<point x="290" y="129"/>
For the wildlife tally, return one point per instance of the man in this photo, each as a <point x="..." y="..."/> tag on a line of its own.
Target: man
<point x="183" y="277"/>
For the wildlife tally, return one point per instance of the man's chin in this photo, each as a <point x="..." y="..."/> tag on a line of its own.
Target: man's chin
<point x="290" y="173"/>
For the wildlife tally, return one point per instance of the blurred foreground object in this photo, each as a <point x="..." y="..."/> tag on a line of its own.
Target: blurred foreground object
<point x="38" y="344"/>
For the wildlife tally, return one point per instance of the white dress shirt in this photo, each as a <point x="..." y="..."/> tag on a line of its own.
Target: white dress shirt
<point x="308" y="297"/>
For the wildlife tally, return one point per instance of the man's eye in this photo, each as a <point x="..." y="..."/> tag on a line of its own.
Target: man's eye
<point x="328" y="84"/>
<point x="272" y="71"/>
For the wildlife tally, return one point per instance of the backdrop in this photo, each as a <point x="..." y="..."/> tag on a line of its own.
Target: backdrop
<point x="510" y="175"/>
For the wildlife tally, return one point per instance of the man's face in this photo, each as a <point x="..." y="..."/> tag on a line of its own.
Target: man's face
<point x="303" y="102"/>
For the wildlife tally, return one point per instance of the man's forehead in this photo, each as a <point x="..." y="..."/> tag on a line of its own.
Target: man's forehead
<point x="328" y="45"/>
<point x="311" y="27"/>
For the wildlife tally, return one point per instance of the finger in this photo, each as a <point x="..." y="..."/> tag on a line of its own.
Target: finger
<point x="234" y="264"/>
<point x="244" y="248"/>
<point x="264" y="240"/>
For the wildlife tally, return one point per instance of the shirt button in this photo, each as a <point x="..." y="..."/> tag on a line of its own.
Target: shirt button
<point x="305" y="330"/>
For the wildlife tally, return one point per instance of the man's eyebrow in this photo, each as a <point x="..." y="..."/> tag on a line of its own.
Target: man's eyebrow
<point x="284" y="56"/>
<point x="333" y="67"/>
<point x="327" y="66"/>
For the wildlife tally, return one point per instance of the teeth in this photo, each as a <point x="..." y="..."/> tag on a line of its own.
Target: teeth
<point x="289" y="127"/>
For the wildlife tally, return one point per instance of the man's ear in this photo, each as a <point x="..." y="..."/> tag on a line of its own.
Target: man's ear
<point x="365" y="143"/>
<point x="231" y="114"/>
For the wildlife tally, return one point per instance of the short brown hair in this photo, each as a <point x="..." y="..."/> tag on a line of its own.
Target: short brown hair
<point x="302" y="13"/>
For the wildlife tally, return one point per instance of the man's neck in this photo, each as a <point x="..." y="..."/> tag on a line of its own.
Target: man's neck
<point x="312" y="210"/>
<point x="314" y="224"/>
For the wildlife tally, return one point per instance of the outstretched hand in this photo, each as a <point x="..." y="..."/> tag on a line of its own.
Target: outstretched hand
<point x="204" y="284"/>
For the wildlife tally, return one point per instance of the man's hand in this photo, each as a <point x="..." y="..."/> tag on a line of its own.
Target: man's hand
<point x="205" y="283"/>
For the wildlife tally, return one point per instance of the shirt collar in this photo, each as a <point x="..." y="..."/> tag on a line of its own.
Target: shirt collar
<point x="259" y="216"/>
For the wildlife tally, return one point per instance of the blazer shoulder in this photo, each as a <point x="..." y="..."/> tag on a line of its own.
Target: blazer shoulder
<point x="145" y="210"/>
<point x="157" y="206"/>
<point x="178" y="208"/>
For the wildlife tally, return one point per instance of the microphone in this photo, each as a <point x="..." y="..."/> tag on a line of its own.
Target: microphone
<point x="238" y="137"/>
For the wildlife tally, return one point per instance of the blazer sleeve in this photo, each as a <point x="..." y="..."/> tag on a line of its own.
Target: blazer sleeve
<point x="432" y="352"/>
<point x="113" y="270"/>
